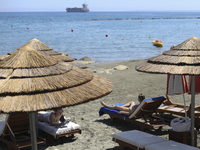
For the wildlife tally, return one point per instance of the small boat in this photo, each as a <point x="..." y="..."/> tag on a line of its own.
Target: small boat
<point x="157" y="43"/>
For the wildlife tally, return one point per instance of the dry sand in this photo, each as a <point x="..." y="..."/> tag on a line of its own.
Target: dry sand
<point x="96" y="130"/>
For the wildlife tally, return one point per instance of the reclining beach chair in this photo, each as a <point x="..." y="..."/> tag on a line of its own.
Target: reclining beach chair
<point x="138" y="140"/>
<point x="147" y="110"/>
<point x="54" y="132"/>
<point x="169" y="107"/>
<point x="14" y="131"/>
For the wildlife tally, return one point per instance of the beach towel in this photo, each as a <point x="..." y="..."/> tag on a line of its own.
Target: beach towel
<point x="112" y="111"/>
<point x="54" y="130"/>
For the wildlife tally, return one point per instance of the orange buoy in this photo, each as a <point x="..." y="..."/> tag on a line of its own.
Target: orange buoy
<point x="27" y="27"/>
<point x="72" y="30"/>
<point x="196" y="23"/>
<point x="50" y="19"/>
<point x="11" y="25"/>
<point x="13" y="16"/>
<point x="106" y="35"/>
<point x="140" y="21"/>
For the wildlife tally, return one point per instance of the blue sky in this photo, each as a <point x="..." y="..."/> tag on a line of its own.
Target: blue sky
<point x="99" y="5"/>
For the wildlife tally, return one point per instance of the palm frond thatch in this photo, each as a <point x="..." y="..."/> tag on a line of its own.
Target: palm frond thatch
<point x="32" y="81"/>
<point x="168" y="69"/>
<point x="37" y="45"/>
<point x="189" y="53"/>
<point x="78" y="64"/>
<point x="167" y="59"/>
<point x="57" y="69"/>
<point x="192" y="43"/>
<point x="10" y="53"/>
<point x="96" y="88"/>
<point x="3" y="57"/>
<point x="4" y="73"/>
<point x="27" y="58"/>
<point x="70" y="79"/>
<point x="50" y="52"/>
<point x="63" y="58"/>
<point x="41" y="47"/>
<point x="181" y="59"/>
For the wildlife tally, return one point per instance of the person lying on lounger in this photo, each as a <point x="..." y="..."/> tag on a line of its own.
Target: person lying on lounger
<point x="128" y="108"/>
<point x="53" y="118"/>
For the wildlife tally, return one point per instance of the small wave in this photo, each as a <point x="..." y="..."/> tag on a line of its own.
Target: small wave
<point x="138" y="19"/>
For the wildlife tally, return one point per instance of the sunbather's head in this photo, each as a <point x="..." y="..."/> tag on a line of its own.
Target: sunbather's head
<point x="141" y="97"/>
<point x="58" y="111"/>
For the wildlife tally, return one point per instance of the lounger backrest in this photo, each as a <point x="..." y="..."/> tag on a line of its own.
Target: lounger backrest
<point x="148" y="106"/>
<point x="18" y="122"/>
<point x="3" y="124"/>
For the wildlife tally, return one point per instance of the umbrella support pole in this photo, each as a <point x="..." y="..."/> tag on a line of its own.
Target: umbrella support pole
<point x="184" y="105"/>
<point x="192" y="110"/>
<point x="33" y="131"/>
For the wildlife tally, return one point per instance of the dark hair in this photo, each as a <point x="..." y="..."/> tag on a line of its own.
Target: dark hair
<point x="56" y="109"/>
<point x="141" y="97"/>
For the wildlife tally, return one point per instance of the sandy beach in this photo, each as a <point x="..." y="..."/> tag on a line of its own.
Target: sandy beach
<point x="96" y="130"/>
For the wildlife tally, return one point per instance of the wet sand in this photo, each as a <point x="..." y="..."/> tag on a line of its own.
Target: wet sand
<point x="96" y="130"/>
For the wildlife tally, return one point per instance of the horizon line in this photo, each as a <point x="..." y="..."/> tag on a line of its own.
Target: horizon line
<point x="110" y="11"/>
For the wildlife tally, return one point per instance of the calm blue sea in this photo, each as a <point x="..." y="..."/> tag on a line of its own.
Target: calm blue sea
<point x="88" y="38"/>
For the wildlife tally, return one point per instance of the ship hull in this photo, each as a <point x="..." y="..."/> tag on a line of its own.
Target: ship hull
<point x="76" y="10"/>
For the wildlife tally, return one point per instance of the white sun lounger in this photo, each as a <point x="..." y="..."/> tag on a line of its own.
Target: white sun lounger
<point x="134" y="139"/>
<point x="170" y="145"/>
<point x="138" y="140"/>
<point x="69" y="129"/>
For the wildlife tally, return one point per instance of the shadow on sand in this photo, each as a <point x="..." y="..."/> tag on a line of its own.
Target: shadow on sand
<point x="128" y="125"/>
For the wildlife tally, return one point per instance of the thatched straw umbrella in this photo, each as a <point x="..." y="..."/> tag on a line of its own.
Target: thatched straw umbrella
<point x="183" y="59"/>
<point x="63" y="58"/>
<point x="3" y="57"/>
<point x="40" y="46"/>
<point x="32" y="81"/>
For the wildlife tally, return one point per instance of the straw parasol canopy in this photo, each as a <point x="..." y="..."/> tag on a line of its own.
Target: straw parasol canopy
<point x="32" y="81"/>
<point x="3" y="57"/>
<point x="63" y="58"/>
<point x="182" y="59"/>
<point x="40" y="46"/>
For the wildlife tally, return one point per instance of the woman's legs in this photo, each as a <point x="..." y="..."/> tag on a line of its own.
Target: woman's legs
<point x="130" y="104"/>
<point x="120" y="108"/>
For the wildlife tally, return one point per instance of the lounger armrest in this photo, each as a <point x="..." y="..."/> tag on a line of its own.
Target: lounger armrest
<point x="197" y="108"/>
<point x="168" y="101"/>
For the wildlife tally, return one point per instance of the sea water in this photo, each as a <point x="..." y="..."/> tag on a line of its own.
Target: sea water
<point x="129" y="34"/>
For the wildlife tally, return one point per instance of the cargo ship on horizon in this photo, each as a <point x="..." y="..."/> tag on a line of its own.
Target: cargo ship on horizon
<point x="75" y="9"/>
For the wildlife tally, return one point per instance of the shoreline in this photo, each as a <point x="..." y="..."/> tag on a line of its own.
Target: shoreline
<point x="96" y="130"/>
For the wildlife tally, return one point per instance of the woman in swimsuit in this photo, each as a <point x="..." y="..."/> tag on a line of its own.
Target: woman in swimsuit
<point x="128" y="108"/>
<point x="53" y="118"/>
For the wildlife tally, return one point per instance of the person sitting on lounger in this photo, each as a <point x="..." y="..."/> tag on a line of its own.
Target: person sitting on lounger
<point x="53" y="118"/>
<point x="128" y="108"/>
